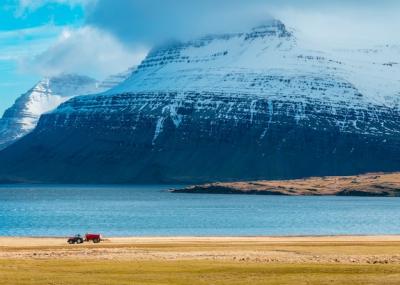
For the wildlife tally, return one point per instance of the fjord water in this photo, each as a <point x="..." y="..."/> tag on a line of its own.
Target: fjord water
<point x="27" y="210"/>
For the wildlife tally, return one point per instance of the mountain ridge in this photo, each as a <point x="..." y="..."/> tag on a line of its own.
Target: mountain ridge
<point x="248" y="106"/>
<point x="50" y="92"/>
<point x="47" y="94"/>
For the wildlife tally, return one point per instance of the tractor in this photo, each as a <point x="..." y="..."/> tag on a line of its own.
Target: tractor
<point x="78" y="239"/>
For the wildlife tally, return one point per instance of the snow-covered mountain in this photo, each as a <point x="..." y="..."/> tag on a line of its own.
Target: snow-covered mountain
<point x="255" y="105"/>
<point x="46" y="95"/>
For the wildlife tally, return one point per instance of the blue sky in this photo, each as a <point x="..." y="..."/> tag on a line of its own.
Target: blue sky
<point x="101" y="37"/>
<point x="46" y="37"/>
<point x="24" y="33"/>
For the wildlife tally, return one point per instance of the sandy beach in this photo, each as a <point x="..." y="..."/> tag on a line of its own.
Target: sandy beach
<point x="324" y="249"/>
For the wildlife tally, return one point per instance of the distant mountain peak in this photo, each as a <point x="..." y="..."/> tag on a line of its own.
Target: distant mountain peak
<point x="270" y="28"/>
<point x="46" y="95"/>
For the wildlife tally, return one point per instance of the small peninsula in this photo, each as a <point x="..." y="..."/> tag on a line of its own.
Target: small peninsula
<point x="374" y="185"/>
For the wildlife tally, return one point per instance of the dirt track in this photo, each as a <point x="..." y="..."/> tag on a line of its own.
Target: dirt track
<point x="321" y="250"/>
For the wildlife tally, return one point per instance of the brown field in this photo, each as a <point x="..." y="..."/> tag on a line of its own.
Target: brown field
<point x="224" y="260"/>
<point x="375" y="184"/>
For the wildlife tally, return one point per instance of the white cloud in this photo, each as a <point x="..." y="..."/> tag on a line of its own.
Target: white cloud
<point x="34" y="4"/>
<point x="86" y="51"/>
<point x="115" y="29"/>
<point x="25" y="42"/>
<point x="326" y="21"/>
<point x="154" y="21"/>
<point x="344" y="26"/>
<point x="27" y="6"/>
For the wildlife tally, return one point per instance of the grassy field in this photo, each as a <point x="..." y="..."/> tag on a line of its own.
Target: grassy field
<point x="192" y="261"/>
<point x="190" y="273"/>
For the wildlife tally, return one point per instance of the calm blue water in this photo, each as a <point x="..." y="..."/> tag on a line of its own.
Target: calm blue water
<point x="151" y="210"/>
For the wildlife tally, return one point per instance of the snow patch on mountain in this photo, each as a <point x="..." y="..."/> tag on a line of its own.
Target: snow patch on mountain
<point x="267" y="63"/>
<point x="250" y="63"/>
<point x="115" y="79"/>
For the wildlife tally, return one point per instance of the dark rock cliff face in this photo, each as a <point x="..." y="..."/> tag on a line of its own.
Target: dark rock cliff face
<point x="240" y="107"/>
<point x="135" y="146"/>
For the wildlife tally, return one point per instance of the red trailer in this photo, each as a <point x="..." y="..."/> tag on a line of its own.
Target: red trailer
<point x="96" y="238"/>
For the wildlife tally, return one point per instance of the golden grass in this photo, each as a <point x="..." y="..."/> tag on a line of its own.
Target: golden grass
<point x="62" y="272"/>
<point x="209" y="261"/>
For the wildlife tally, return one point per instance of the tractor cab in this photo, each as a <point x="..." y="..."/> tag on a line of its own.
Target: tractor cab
<point x="75" y="239"/>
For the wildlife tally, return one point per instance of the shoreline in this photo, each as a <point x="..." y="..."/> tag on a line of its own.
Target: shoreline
<point x="217" y="236"/>
<point x="49" y="242"/>
<point x="344" y="237"/>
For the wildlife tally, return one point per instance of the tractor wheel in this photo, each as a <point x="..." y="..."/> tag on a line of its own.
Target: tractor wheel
<point x="96" y="240"/>
<point x="71" y="242"/>
<point x="80" y="241"/>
